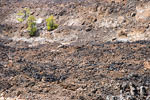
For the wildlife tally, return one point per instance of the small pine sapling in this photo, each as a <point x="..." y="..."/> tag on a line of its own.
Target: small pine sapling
<point x="51" y="25"/>
<point x="32" y="26"/>
<point x="20" y="19"/>
<point x="26" y="12"/>
<point x="23" y="15"/>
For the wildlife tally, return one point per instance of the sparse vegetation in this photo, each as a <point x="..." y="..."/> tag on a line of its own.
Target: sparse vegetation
<point x="31" y="21"/>
<point x="26" y="12"/>
<point x="20" y="13"/>
<point x="20" y="19"/>
<point x="23" y="15"/>
<point x="51" y="25"/>
<point x="32" y="26"/>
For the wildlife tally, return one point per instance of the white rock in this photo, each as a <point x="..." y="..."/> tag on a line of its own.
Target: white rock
<point x="39" y="20"/>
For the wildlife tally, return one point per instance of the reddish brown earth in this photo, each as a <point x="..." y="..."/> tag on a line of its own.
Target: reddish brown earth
<point x="95" y="66"/>
<point x="90" y="71"/>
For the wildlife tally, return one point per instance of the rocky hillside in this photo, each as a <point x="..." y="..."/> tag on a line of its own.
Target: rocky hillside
<point x="100" y="50"/>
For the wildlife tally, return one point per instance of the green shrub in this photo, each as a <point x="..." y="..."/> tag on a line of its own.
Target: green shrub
<point x="26" y="12"/>
<point x="20" y="19"/>
<point x="20" y="13"/>
<point x="32" y="26"/>
<point x="51" y="25"/>
<point x="23" y="14"/>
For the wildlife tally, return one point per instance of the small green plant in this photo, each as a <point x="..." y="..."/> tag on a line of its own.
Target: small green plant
<point x="51" y="25"/>
<point x="20" y="13"/>
<point x="32" y="26"/>
<point x="20" y="19"/>
<point x="26" y="12"/>
<point x="23" y="14"/>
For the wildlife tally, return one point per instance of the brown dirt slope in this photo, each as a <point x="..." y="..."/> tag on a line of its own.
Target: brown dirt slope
<point x="90" y="72"/>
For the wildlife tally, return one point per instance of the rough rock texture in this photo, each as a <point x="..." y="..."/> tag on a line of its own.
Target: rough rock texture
<point x="100" y="51"/>
<point x="83" y="20"/>
<point x="143" y="12"/>
<point x="92" y="71"/>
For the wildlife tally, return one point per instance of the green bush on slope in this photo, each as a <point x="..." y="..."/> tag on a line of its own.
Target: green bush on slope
<point x="32" y="26"/>
<point x="51" y="25"/>
<point x="23" y="14"/>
